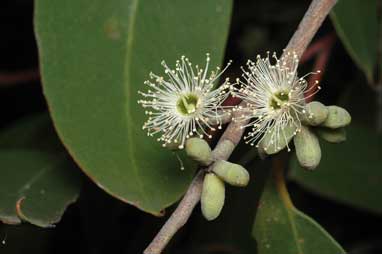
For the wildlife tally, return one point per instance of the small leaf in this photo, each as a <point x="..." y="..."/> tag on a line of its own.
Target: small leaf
<point x="349" y="172"/>
<point x="356" y="24"/>
<point x="282" y="229"/>
<point x="95" y="56"/>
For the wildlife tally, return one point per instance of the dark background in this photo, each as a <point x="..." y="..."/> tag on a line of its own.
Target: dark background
<point x="97" y="223"/>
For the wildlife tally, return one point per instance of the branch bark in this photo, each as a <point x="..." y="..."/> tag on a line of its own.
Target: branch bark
<point x="305" y="32"/>
<point x="179" y="216"/>
<point x="313" y="18"/>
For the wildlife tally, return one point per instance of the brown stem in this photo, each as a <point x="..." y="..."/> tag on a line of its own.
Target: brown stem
<point x="309" y="25"/>
<point x="11" y="78"/>
<point x="313" y="18"/>
<point x="179" y="216"/>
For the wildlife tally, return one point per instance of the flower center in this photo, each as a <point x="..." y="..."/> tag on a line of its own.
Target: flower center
<point x="187" y="104"/>
<point x="278" y="100"/>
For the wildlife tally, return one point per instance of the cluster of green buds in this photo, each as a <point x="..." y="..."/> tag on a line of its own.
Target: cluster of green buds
<point x="317" y="120"/>
<point x="328" y="123"/>
<point x="218" y="172"/>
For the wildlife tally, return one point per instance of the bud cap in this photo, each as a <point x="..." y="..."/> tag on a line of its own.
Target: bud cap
<point x="316" y="113"/>
<point x="308" y="149"/>
<point x="199" y="150"/>
<point x="231" y="173"/>
<point x="268" y="145"/>
<point x="332" y="135"/>
<point x="213" y="195"/>
<point x="337" y="117"/>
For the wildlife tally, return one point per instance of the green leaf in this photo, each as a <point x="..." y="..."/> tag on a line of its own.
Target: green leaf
<point x="38" y="179"/>
<point x="282" y="229"/>
<point x="35" y="186"/>
<point x="32" y="132"/>
<point x="95" y="56"/>
<point x="357" y="26"/>
<point x="349" y="172"/>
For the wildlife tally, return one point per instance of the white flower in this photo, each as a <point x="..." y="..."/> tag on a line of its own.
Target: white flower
<point x="275" y="99"/>
<point x="185" y="103"/>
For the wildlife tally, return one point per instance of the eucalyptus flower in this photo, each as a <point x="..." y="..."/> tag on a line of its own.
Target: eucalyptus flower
<point x="275" y="100"/>
<point x="185" y="103"/>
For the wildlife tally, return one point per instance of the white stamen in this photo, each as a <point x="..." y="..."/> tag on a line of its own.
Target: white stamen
<point x="275" y="97"/>
<point x="184" y="103"/>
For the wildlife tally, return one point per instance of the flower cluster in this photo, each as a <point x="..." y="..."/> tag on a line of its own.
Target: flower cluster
<point x="274" y="108"/>
<point x="187" y="102"/>
<point x="275" y="99"/>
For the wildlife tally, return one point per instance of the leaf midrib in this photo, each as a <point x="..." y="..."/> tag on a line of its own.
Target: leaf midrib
<point x="285" y="199"/>
<point x="27" y="185"/>
<point x="127" y="77"/>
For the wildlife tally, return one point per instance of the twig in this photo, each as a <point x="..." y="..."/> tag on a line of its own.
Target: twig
<point x="309" y="25"/>
<point x="11" y="78"/>
<point x="179" y="216"/>
<point x="313" y="18"/>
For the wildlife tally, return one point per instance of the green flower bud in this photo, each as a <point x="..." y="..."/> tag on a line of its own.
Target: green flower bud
<point x="213" y="195"/>
<point x="316" y="113"/>
<point x="332" y="135"/>
<point x="308" y="149"/>
<point x="285" y="137"/>
<point x="337" y="117"/>
<point x="199" y="150"/>
<point x="231" y="173"/>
